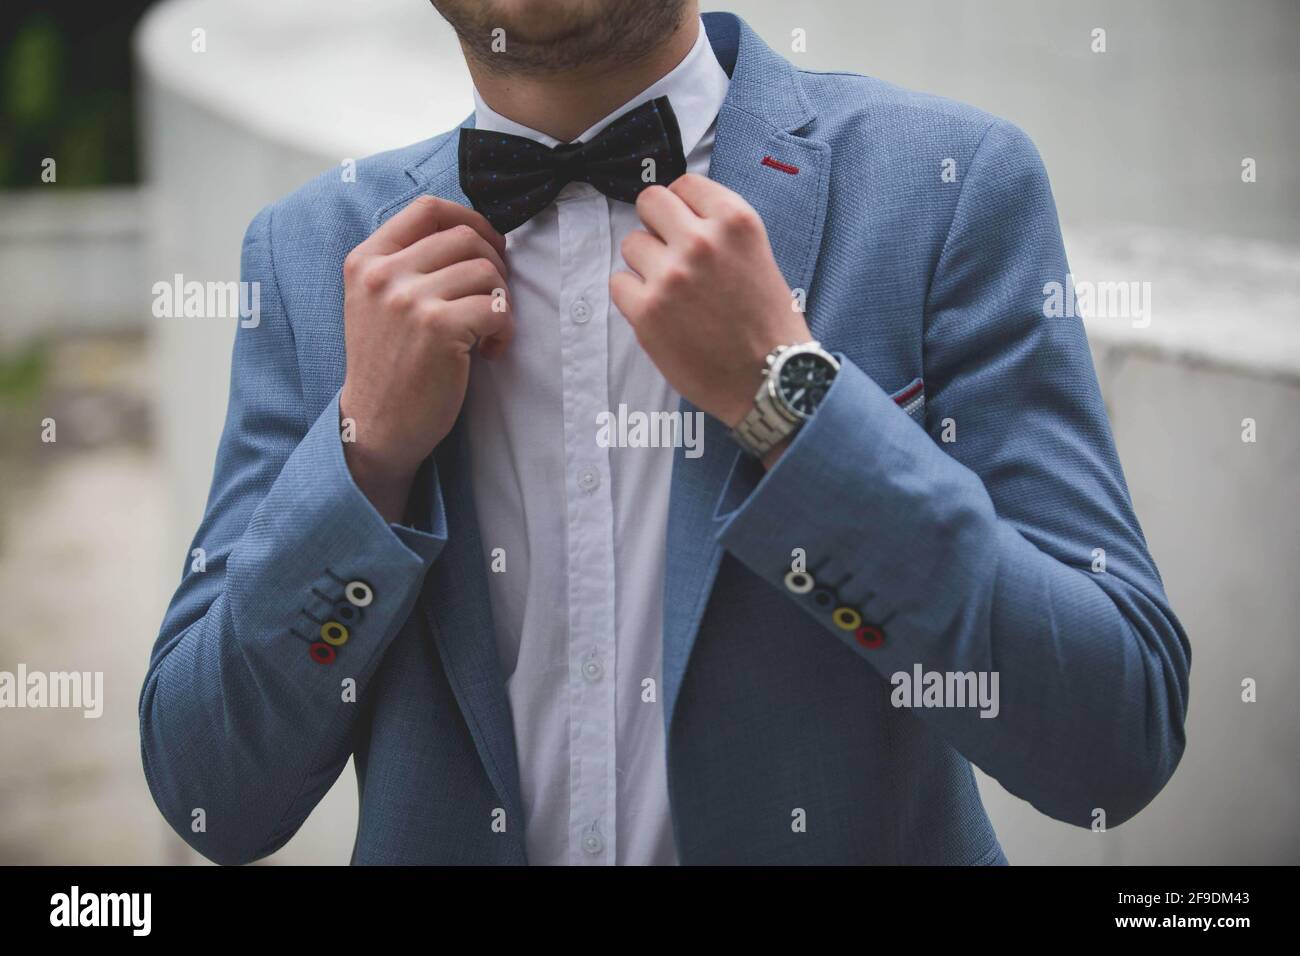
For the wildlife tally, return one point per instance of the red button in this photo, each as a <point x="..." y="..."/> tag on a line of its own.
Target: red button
<point x="322" y="653"/>
<point x="869" y="637"/>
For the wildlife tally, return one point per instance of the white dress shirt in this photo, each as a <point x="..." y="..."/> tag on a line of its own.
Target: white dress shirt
<point x="579" y="528"/>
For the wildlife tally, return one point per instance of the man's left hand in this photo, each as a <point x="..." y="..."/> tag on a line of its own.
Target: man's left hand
<point x="706" y="300"/>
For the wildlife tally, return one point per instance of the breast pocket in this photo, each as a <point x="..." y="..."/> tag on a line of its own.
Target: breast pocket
<point x="911" y="399"/>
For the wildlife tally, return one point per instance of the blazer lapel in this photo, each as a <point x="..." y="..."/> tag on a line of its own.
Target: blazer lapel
<point x="784" y="177"/>
<point x="455" y="601"/>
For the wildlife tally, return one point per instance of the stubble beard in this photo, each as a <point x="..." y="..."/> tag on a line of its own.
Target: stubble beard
<point x="610" y="33"/>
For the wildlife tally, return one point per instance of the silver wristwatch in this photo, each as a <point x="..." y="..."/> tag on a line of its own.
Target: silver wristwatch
<point x="795" y="380"/>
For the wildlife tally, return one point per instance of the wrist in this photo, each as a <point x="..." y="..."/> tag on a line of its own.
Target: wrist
<point x="796" y="379"/>
<point x="385" y="481"/>
<point x="745" y="394"/>
<point x="386" y="486"/>
<point x="773" y="454"/>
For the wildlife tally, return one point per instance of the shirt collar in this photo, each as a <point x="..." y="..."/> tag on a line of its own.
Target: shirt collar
<point x="696" y="87"/>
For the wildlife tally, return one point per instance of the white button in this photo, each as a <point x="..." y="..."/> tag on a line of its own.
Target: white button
<point x="580" y="311"/>
<point x="359" y="593"/>
<point x="592" y="842"/>
<point x="589" y="479"/>
<point x="800" y="582"/>
<point x="593" y="670"/>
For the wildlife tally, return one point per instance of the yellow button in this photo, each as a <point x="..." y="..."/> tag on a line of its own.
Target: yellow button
<point x="334" y="633"/>
<point x="847" y="618"/>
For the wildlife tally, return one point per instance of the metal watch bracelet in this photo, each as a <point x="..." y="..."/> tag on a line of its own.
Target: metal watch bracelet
<point x="768" y="422"/>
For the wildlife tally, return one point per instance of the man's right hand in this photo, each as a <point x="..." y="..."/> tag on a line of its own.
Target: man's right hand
<point x="418" y="295"/>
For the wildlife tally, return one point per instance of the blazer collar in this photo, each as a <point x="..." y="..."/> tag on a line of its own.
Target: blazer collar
<point x="763" y="82"/>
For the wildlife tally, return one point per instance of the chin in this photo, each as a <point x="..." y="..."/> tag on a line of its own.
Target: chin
<point x="543" y="21"/>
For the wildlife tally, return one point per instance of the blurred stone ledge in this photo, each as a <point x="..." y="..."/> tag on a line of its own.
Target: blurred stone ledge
<point x="1216" y="301"/>
<point x="69" y="260"/>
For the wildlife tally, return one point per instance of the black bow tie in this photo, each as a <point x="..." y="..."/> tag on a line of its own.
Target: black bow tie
<point x="510" y="179"/>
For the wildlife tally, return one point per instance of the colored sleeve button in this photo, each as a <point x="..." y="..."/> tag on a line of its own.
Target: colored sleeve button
<point x="824" y="597"/>
<point x="347" y="614"/>
<point x="869" y="636"/>
<point x="799" y="582"/>
<point x="359" y="593"/>
<point x="322" y="653"/>
<point x="334" y="633"/>
<point x="847" y="618"/>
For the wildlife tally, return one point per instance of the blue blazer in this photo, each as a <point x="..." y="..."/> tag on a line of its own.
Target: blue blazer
<point x="955" y="491"/>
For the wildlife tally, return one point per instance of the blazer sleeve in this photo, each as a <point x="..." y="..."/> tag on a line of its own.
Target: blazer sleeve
<point x="257" y="678"/>
<point x="999" y="536"/>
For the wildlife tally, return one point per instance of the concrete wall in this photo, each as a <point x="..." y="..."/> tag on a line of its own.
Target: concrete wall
<point x="71" y="259"/>
<point x="1222" y="521"/>
<point x="1151" y="131"/>
<point x="1149" y="134"/>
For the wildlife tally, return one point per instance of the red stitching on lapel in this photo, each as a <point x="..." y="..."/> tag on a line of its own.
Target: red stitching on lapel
<point x="777" y="164"/>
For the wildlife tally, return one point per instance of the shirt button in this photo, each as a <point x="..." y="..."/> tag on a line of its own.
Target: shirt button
<point x="580" y="311"/>
<point x="592" y="842"/>
<point x="593" y="670"/>
<point x="589" y="479"/>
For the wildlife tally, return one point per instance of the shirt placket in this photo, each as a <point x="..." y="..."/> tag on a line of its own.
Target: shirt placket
<point x="584" y="341"/>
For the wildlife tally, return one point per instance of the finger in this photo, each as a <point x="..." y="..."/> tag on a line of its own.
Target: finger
<point x="703" y="196"/>
<point x="425" y="216"/>
<point x="493" y="347"/>
<point x="644" y="253"/>
<point x="454" y="214"/>
<point x="628" y="293"/>
<point x="479" y="319"/>
<point x="468" y="277"/>
<point x="663" y="213"/>
<point x="456" y="244"/>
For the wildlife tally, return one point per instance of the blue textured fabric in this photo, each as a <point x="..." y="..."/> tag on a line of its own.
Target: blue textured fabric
<point x="972" y="555"/>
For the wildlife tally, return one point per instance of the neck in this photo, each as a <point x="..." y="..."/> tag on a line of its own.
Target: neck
<point x="567" y="104"/>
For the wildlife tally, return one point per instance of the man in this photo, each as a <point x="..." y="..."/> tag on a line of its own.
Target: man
<point x="440" y="539"/>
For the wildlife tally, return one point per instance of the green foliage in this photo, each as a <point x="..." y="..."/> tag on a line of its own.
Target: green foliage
<point x="31" y="74"/>
<point x="24" y="372"/>
<point x="65" y="92"/>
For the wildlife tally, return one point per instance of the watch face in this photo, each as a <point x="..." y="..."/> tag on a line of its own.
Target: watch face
<point x="803" y="382"/>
